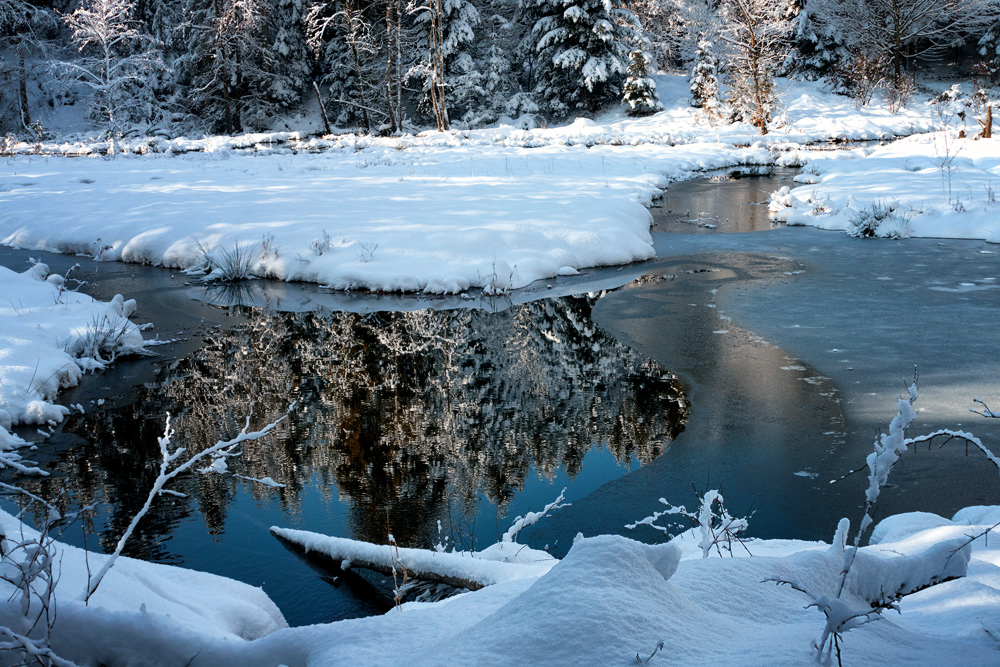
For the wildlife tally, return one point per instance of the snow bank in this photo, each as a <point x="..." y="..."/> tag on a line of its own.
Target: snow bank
<point x="49" y="336"/>
<point x="439" y="213"/>
<point x="937" y="185"/>
<point x="607" y="600"/>
<point x="195" y="602"/>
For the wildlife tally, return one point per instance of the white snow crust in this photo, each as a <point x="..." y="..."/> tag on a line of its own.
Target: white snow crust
<point x="439" y="213"/>
<point x="910" y="175"/>
<point x="45" y="331"/>
<point x="608" y="599"/>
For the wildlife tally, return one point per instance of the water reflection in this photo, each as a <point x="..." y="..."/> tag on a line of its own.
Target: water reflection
<point x="401" y="418"/>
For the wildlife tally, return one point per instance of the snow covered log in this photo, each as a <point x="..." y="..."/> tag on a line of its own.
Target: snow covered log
<point x="498" y="564"/>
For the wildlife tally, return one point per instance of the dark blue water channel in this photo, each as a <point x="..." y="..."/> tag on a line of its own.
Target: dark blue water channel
<point x="761" y="361"/>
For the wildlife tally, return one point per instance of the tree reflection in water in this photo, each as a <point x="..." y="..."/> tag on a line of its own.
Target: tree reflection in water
<point x="414" y="414"/>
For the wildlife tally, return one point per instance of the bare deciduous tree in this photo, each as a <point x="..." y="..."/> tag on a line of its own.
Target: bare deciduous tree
<point x="754" y="31"/>
<point x="894" y="32"/>
<point x="116" y="63"/>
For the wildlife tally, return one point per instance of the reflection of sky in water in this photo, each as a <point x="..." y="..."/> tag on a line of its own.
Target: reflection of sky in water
<point x="465" y="417"/>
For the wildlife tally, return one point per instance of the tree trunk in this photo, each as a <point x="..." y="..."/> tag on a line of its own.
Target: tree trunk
<point x="322" y="109"/>
<point x="390" y="67"/>
<point x="988" y="125"/>
<point x="227" y="106"/>
<point x="22" y="87"/>
<point x="437" y="83"/>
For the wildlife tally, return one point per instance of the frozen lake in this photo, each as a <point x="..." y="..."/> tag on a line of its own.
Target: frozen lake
<point x="762" y="361"/>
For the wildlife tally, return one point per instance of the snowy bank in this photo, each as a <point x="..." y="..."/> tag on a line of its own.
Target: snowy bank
<point x="607" y="600"/>
<point x="195" y="602"/>
<point x="933" y="185"/>
<point x="49" y="337"/>
<point x="438" y="213"/>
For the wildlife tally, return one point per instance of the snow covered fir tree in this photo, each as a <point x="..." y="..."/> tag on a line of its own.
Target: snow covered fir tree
<point x="705" y="78"/>
<point x="499" y="332"/>
<point x="388" y="67"/>
<point x="639" y="91"/>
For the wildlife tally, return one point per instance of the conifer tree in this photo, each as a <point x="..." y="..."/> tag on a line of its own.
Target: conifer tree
<point x="705" y="78"/>
<point x="582" y="52"/>
<point x="639" y="91"/>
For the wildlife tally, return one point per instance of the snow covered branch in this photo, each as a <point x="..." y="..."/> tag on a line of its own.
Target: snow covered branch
<point x="531" y="518"/>
<point x="168" y="471"/>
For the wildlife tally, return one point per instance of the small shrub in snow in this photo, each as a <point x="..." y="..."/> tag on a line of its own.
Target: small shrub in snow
<point x="719" y="530"/>
<point x="366" y="251"/>
<point x="320" y="244"/>
<point x="859" y="75"/>
<point x="269" y="246"/>
<point x="879" y="219"/>
<point x="227" y="265"/>
<point x="106" y="338"/>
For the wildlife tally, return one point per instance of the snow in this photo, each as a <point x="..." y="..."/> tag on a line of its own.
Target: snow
<point x="496" y="208"/>
<point x="607" y="600"/>
<point x="49" y="337"/>
<point x="195" y="602"/>
<point x="910" y="175"/>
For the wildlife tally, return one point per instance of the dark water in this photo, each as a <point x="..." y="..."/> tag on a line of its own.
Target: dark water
<point x="403" y="422"/>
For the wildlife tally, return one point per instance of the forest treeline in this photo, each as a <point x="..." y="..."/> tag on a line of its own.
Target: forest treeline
<point x="387" y="66"/>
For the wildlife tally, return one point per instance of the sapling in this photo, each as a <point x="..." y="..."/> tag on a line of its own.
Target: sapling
<point x="170" y="469"/>
<point x="946" y="151"/>
<point x="888" y="447"/>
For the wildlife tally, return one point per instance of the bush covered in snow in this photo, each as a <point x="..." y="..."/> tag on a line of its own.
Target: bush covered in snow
<point x="880" y="219"/>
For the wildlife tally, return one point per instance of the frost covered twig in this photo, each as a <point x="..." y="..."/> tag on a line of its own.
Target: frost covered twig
<point x="29" y="565"/>
<point x="397" y="588"/>
<point x="222" y="448"/>
<point x="718" y="528"/>
<point x="42" y="655"/>
<point x="985" y="412"/>
<point x="531" y="518"/>
<point x="659" y="647"/>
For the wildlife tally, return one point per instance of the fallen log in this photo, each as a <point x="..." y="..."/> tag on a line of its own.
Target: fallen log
<point x="458" y="569"/>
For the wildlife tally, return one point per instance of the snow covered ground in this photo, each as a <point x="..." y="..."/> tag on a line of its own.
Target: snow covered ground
<point x="49" y="337"/>
<point x="443" y="213"/>
<point x="937" y="185"/>
<point x="608" y="600"/>
<point x="438" y="212"/>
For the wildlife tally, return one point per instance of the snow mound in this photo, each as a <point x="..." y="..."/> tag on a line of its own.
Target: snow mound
<point x="133" y="591"/>
<point x="49" y="336"/>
